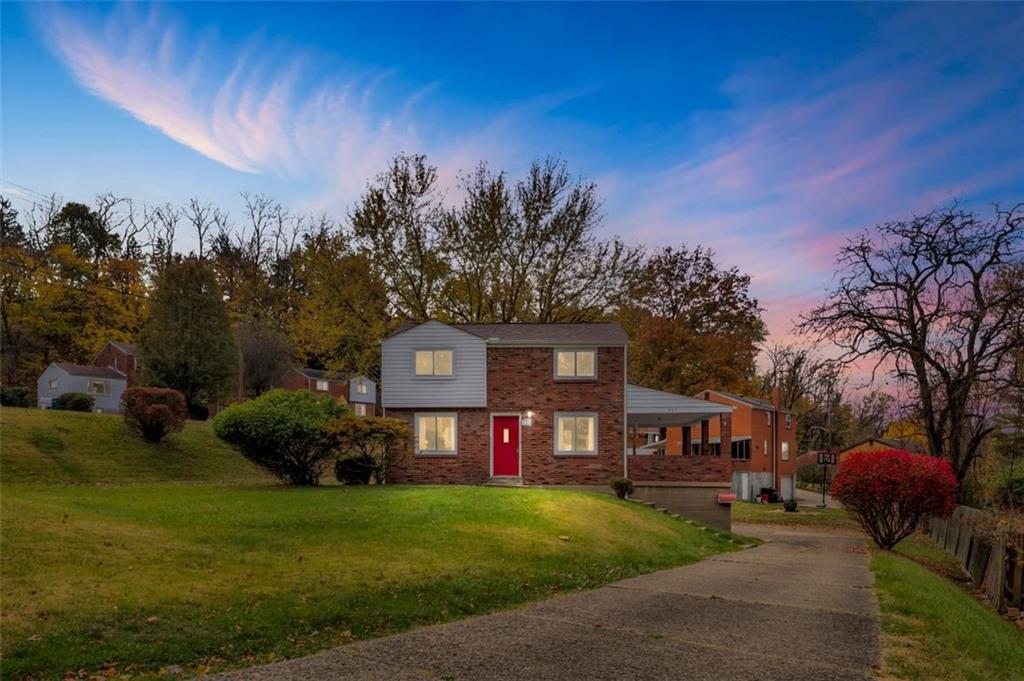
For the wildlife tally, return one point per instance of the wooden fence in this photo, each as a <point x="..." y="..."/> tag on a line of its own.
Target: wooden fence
<point x="991" y="554"/>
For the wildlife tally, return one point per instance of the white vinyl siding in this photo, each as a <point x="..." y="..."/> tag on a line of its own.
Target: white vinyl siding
<point x="434" y="362"/>
<point x="400" y="386"/>
<point x="437" y="433"/>
<point x="575" y="433"/>
<point x="576" y="363"/>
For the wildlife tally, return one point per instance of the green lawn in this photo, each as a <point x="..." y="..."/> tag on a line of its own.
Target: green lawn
<point x="773" y="514"/>
<point x="212" y="575"/>
<point x="934" y="629"/>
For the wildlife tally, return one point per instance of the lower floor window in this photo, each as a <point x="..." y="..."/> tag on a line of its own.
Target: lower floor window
<point x="741" y="450"/>
<point x="576" y="433"/>
<point x="360" y="409"/>
<point x="436" y="433"/>
<point x="785" y="451"/>
<point x="98" y="387"/>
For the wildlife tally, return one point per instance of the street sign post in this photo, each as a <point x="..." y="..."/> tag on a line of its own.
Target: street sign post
<point x="825" y="459"/>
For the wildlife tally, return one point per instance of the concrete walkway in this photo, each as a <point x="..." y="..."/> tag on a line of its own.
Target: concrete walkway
<point x="800" y="607"/>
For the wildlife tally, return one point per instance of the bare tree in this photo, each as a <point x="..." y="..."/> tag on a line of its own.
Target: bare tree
<point x="928" y="300"/>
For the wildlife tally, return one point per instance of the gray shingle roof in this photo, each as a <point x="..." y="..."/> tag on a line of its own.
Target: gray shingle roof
<point x="127" y="348"/>
<point x="321" y="374"/>
<point x="584" y="333"/>
<point x="90" y="371"/>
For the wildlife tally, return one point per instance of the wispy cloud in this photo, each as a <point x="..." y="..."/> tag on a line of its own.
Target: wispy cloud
<point x="777" y="181"/>
<point x="256" y="108"/>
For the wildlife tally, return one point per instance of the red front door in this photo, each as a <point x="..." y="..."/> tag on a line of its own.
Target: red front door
<point x="505" y="433"/>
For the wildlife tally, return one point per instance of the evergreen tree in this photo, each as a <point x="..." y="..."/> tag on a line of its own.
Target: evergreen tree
<point x="187" y="343"/>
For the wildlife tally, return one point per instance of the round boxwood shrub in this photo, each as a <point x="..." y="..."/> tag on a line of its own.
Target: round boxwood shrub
<point x="890" y="492"/>
<point x="354" y="470"/>
<point x="15" y="396"/>
<point x="74" y="402"/>
<point x="283" y="432"/>
<point x="623" y="487"/>
<point x="153" y="412"/>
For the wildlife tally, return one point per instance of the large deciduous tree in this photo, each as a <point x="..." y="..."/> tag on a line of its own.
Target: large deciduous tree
<point x="934" y="300"/>
<point x="187" y="343"/>
<point x="693" y="324"/>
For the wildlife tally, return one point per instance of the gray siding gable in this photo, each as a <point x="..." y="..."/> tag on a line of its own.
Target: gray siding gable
<point x="369" y="397"/>
<point x="401" y="387"/>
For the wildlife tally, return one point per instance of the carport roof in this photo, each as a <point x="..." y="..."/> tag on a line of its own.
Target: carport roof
<point x="648" y="407"/>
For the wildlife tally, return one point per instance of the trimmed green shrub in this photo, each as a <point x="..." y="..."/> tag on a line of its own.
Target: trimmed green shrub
<point x="284" y="432"/>
<point x="354" y="470"/>
<point x="15" y="396"/>
<point x="623" y="487"/>
<point x="153" y="412"/>
<point x="74" y="402"/>
<point x="374" y="440"/>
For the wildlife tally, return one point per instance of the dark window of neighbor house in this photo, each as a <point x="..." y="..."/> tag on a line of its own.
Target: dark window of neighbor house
<point x="789" y="421"/>
<point x="741" y="450"/>
<point x="694" y="448"/>
<point x="716" y="448"/>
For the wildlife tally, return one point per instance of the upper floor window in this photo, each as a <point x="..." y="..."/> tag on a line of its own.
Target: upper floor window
<point x="53" y="383"/>
<point x="785" y="451"/>
<point x="98" y="387"/>
<point x="575" y="363"/>
<point x="436" y="433"/>
<point x="361" y="387"/>
<point x="114" y="365"/>
<point x="789" y="421"/>
<point x="576" y="433"/>
<point x="323" y="386"/>
<point x="136" y="364"/>
<point x="433" y="362"/>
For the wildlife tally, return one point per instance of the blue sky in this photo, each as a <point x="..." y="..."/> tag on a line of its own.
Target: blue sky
<point x="768" y="132"/>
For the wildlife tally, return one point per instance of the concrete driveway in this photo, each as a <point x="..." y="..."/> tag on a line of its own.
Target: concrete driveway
<point x="800" y="607"/>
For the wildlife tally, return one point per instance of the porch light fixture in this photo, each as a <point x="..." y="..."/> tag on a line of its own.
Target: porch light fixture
<point x="528" y="419"/>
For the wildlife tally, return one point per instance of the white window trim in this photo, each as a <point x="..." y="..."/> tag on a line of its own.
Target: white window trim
<point x="326" y="383"/>
<point x="416" y="433"/>
<point x="554" y="363"/>
<point x="433" y="377"/>
<point x="105" y="384"/>
<point x="361" y="387"/>
<point x="597" y="433"/>
<point x="359" y="408"/>
<point x="136" y="364"/>
<point x="785" y="450"/>
<point x="54" y="384"/>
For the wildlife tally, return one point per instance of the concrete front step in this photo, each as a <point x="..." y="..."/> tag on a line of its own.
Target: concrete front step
<point x="504" y="481"/>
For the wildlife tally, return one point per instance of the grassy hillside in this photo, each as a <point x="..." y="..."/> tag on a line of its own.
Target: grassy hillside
<point x="47" y="446"/>
<point x="925" y="617"/>
<point x="205" y="576"/>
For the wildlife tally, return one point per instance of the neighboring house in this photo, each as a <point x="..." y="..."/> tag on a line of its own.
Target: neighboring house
<point x="762" y="447"/>
<point x="358" y="391"/>
<point x="539" y="404"/>
<point x="105" y="384"/>
<point x="877" y="444"/>
<point x="122" y="357"/>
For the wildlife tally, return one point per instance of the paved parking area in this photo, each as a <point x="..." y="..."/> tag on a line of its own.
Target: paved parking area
<point x="800" y="607"/>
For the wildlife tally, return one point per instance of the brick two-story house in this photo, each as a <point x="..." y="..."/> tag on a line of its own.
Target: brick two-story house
<point x="122" y="357"/>
<point x="358" y="391"/>
<point x="538" y="404"/>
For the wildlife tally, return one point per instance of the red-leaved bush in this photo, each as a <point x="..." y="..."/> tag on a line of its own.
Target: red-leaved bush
<point x="153" y="412"/>
<point x="890" y="492"/>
